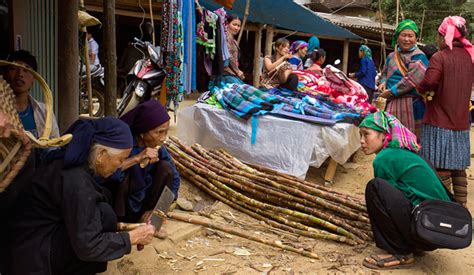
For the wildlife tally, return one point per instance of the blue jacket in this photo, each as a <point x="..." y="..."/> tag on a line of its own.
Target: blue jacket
<point x="367" y="72"/>
<point x="143" y="177"/>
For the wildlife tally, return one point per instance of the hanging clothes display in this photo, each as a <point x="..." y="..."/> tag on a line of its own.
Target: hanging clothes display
<point x="172" y="46"/>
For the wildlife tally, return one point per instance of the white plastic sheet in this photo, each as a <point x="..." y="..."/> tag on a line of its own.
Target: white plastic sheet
<point x="285" y="145"/>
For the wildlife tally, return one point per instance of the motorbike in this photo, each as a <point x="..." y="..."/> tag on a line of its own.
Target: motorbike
<point x="144" y="79"/>
<point x="98" y="90"/>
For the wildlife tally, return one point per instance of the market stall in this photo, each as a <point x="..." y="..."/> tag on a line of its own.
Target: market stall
<point x="285" y="145"/>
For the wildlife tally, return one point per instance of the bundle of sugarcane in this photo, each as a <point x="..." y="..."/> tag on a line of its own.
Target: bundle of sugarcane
<point x="280" y="200"/>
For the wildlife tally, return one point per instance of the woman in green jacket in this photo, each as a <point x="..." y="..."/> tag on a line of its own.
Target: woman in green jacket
<point x="402" y="179"/>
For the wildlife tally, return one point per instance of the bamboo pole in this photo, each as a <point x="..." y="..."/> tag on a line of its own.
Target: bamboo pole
<point x="246" y="15"/>
<point x="256" y="57"/>
<point x="152" y="22"/>
<point x="227" y="229"/>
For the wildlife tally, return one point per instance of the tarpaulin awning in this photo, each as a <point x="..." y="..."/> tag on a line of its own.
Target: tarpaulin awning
<point x="286" y="14"/>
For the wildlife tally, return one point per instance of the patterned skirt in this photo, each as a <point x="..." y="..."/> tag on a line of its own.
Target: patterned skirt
<point x="446" y="149"/>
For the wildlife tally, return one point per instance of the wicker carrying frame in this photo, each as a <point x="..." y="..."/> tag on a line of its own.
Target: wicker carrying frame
<point x="15" y="150"/>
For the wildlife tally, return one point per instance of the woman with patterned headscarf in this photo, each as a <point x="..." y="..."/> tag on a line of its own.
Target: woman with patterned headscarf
<point x="367" y="71"/>
<point x="403" y="71"/>
<point x="402" y="179"/>
<point x="445" y="129"/>
<point x="298" y="49"/>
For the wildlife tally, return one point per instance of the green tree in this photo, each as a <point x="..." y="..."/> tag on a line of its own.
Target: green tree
<point x="434" y="12"/>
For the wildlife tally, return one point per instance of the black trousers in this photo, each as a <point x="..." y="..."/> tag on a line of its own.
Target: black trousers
<point x="390" y="218"/>
<point x="291" y="82"/>
<point x="63" y="258"/>
<point x="370" y="93"/>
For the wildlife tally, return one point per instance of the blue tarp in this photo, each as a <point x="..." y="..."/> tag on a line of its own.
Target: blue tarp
<point x="285" y="14"/>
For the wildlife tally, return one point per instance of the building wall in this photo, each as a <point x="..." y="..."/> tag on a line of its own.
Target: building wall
<point x="35" y="28"/>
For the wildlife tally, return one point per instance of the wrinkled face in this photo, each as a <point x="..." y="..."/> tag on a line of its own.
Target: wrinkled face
<point x="371" y="141"/>
<point x="20" y="80"/>
<point x="283" y="49"/>
<point x="234" y="26"/>
<point x="302" y="52"/>
<point x="107" y="164"/>
<point x="406" y="40"/>
<point x="157" y="136"/>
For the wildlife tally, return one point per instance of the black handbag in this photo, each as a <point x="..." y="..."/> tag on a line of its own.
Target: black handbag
<point x="442" y="224"/>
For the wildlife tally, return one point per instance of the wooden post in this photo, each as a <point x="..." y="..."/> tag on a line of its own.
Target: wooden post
<point x="110" y="50"/>
<point x="256" y="57"/>
<point x="68" y="71"/>
<point x="269" y="40"/>
<point x="330" y="171"/>
<point x="345" y="56"/>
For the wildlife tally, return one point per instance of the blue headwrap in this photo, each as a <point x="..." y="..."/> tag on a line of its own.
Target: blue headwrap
<point x="313" y="43"/>
<point x="366" y="50"/>
<point x="107" y="131"/>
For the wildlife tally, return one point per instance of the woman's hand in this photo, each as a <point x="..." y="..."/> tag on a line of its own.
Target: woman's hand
<point x="352" y="75"/>
<point x="287" y="56"/>
<point x="382" y="87"/>
<point x="142" y="235"/>
<point x="241" y="75"/>
<point x="150" y="154"/>
<point x="386" y="93"/>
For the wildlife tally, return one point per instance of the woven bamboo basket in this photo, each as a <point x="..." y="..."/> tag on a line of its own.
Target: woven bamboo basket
<point x="14" y="151"/>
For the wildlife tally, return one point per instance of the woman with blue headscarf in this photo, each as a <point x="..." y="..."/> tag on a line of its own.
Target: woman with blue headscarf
<point x="64" y="224"/>
<point x="142" y="185"/>
<point x="367" y="72"/>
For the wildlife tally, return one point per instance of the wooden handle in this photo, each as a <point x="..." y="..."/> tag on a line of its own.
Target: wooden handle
<point x="144" y="162"/>
<point x="122" y="226"/>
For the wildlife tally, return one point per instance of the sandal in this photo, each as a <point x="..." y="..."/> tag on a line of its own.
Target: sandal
<point x="388" y="261"/>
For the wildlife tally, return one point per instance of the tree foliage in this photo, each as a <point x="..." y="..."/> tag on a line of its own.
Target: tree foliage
<point x="435" y="11"/>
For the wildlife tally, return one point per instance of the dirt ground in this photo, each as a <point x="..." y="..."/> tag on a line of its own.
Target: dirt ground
<point x="192" y="249"/>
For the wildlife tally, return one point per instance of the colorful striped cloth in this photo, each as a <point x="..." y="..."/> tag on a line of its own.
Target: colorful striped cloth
<point x="398" y="136"/>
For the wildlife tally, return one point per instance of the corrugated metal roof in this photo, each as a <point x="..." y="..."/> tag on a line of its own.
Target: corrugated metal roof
<point x="354" y="22"/>
<point x="288" y="15"/>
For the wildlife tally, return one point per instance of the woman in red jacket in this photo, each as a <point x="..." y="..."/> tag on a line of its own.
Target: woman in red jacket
<point x="445" y="131"/>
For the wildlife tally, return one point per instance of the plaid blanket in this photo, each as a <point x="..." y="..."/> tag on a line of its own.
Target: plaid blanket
<point x="244" y="100"/>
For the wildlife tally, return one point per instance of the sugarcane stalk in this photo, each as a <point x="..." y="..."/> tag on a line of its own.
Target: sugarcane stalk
<point x="227" y="229"/>
<point x="282" y="199"/>
<point x="309" y="184"/>
<point x="290" y="190"/>
<point x="216" y="180"/>
<point x="273" y="220"/>
<point x="186" y="149"/>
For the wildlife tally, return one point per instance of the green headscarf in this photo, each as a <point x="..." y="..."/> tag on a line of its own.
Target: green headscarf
<point x="366" y="50"/>
<point x="398" y="136"/>
<point x="407" y="24"/>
